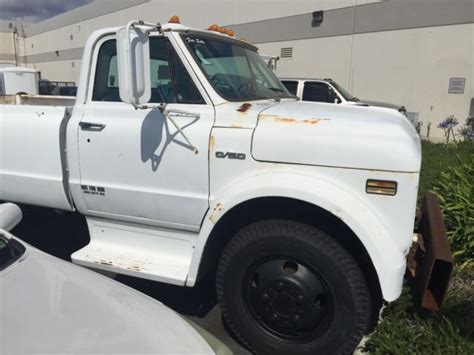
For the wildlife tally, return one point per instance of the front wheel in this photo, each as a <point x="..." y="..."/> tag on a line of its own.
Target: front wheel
<point x="288" y="288"/>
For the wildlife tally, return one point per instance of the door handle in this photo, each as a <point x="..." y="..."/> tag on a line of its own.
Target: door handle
<point x="92" y="126"/>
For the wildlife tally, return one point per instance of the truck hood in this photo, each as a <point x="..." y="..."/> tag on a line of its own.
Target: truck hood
<point x="52" y="306"/>
<point x="337" y="136"/>
<point x="380" y="104"/>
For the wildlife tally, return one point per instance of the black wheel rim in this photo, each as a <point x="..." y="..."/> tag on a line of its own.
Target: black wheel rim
<point x="288" y="299"/>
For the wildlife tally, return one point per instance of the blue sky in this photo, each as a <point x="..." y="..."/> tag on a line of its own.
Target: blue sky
<point x="36" y="10"/>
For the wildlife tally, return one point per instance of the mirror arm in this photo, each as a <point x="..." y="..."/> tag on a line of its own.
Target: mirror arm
<point x="166" y="113"/>
<point x="153" y="26"/>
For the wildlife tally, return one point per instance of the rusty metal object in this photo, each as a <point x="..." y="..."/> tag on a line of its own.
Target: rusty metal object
<point x="417" y="249"/>
<point x="432" y="266"/>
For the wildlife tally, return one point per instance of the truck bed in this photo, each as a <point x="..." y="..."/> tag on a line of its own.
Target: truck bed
<point x="32" y="151"/>
<point x="37" y="100"/>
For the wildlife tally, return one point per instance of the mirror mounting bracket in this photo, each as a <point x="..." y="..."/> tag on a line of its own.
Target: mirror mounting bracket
<point x="167" y="113"/>
<point x="154" y="27"/>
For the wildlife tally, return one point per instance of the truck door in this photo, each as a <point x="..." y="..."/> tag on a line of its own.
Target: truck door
<point x="134" y="165"/>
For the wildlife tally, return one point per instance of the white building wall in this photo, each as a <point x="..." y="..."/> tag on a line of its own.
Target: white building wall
<point x="413" y="67"/>
<point x="6" y="48"/>
<point x="327" y="57"/>
<point x="195" y="13"/>
<point x="409" y="67"/>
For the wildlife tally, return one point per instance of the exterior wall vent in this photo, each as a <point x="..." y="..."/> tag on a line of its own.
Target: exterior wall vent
<point x="287" y="52"/>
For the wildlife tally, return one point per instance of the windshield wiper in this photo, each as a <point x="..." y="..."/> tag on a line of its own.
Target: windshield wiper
<point x="277" y="90"/>
<point x="355" y="99"/>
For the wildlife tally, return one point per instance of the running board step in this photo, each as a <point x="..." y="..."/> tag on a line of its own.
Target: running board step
<point x="146" y="252"/>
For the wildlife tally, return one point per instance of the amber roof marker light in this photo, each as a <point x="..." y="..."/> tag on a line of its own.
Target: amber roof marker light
<point x="174" y="19"/>
<point x="225" y="31"/>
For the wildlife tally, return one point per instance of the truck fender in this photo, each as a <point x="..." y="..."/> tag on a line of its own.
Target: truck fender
<point x="388" y="260"/>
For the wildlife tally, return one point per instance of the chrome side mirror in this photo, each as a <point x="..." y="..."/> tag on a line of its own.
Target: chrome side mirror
<point x="133" y="62"/>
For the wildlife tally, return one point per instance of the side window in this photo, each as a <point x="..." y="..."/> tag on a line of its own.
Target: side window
<point x="314" y="91"/>
<point x="291" y="86"/>
<point x="186" y="91"/>
<point x="106" y="76"/>
<point x="170" y="82"/>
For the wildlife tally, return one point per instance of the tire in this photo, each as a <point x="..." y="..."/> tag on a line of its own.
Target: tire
<point x="288" y="288"/>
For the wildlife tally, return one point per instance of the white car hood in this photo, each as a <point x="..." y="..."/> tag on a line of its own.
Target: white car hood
<point x="50" y="306"/>
<point x="337" y="136"/>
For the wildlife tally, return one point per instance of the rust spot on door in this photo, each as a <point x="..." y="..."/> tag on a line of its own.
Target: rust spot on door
<point x="244" y="107"/>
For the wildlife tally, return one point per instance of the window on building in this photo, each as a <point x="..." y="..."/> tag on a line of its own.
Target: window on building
<point x="315" y="91"/>
<point x="291" y="86"/>
<point x="170" y="81"/>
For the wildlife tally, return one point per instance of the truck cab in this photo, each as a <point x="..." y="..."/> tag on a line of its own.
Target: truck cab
<point x="187" y="156"/>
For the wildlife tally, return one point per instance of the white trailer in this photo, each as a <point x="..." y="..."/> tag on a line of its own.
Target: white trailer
<point x="18" y="80"/>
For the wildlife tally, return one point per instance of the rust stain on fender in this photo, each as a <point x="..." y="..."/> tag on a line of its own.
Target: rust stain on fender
<point x="134" y="268"/>
<point x="286" y="120"/>
<point x="215" y="211"/>
<point x="212" y="142"/>
<point x="244" y="107"/>
<point x="104" y="262"/>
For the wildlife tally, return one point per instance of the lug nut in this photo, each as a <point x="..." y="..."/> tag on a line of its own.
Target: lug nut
<point x="280" y="286"/>
<point x="274" y="317"/>
<point x="299" y="299"/>
<point x="265" y="297"/>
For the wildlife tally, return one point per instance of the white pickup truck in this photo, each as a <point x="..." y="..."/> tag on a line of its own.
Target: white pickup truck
<point x="327" y="90"/>
<point x="187" y="156"/>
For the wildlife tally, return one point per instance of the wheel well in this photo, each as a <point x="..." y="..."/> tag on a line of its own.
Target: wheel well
<point x="259" y="209"/>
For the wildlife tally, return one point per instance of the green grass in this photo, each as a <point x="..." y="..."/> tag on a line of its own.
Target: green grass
<point x="438" y="157"/>
<point x="407" y="329"/>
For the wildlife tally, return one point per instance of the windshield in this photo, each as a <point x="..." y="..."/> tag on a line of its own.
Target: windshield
<point x="10" y="251"/>
<point x="346" y="94"/>
<point x="235" y="70"/>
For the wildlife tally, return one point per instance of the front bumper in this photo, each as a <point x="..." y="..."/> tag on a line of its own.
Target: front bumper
<point x="430" y="260"/>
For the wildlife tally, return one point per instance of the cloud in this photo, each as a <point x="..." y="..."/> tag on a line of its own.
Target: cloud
<point x="36" y="10"/>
